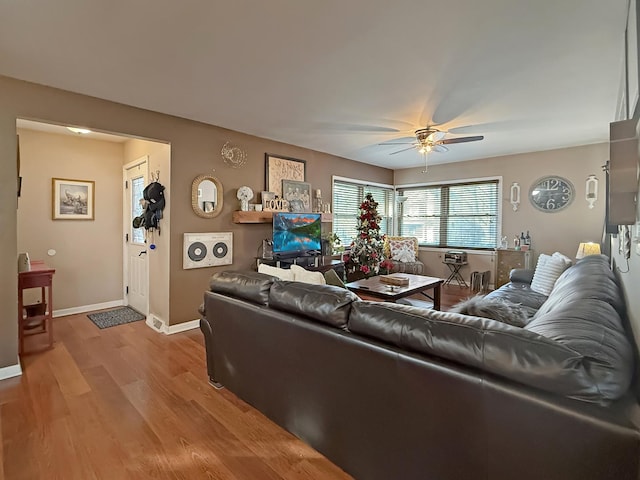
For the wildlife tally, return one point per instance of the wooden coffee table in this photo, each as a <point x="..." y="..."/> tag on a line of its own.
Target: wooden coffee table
<point x="390" y="293"/>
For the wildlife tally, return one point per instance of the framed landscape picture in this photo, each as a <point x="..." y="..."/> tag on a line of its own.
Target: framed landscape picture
<point x="279" y="168"/>
<point x="72" y="199"/>
<point x="298" y="194"/>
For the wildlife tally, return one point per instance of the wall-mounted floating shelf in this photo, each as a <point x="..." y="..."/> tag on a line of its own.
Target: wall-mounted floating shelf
<point x="266" y="217"/>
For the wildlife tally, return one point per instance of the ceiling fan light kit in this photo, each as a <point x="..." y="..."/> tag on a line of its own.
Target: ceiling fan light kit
<point x="429" y="140"/>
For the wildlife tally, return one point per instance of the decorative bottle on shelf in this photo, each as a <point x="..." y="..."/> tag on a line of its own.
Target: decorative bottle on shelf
<point x="516" y="242"/>
<point x="24" y="263"/>
<point x="527" y="240"/>
<point x="522" y="239"/>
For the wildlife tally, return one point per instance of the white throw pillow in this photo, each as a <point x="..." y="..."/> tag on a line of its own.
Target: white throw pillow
<point x="402" y="249"/>
<point x="405" y="253"/>
<point x="281" y="273"/>
<point x="548" y="269"/>
<point x="305" y="276"/>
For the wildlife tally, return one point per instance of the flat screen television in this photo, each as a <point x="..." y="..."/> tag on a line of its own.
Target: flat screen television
<point x="296" y="233"/>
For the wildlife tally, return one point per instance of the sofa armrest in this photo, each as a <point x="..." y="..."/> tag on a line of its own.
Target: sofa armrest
<point x="207" y="331"/>
<point x="521" y="275"/>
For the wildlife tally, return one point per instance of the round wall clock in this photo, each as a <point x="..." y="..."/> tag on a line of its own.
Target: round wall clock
<point x="551" y="193"/>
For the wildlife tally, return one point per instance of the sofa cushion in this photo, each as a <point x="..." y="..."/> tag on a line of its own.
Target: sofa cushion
<point x="548" y="269"/>
<point x="281" y="273"/>
<point x="522" y="355"/>
<point x="593" y="330"/>
<point x="414" y="268"/>
<point x="323" y="303"/>
<point x="496" y="308"/>
<point x="521" y="294"/>
<point x="252" y="286"/>
<point x="589" y="279"/>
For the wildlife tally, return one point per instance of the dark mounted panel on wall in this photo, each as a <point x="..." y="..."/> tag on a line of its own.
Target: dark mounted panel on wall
<point x="623" y="172"/>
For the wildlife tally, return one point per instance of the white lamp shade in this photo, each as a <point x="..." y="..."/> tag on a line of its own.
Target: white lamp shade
<point x="588" y="248"/>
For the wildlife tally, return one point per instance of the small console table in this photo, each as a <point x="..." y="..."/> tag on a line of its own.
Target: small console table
<point x="36" y="318"/>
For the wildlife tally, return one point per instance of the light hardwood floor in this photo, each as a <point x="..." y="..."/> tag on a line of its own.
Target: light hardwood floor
<point x="129" y="403"/>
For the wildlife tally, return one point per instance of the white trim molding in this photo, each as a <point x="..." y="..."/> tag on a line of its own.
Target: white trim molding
<point x="160" y="326"/>
<point x="87" y="308"/>
<point x="10" y="371"/>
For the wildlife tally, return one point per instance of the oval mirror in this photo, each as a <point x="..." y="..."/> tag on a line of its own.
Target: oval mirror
<point x="207" y="196"/>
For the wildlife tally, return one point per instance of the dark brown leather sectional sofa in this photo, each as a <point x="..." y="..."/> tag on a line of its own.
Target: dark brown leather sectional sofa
<point x="390" y="391"/>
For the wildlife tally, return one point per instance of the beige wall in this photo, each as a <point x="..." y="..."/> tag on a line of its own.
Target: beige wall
<point x="195" y="149"/>
<point x="159" y="155"/>
<point x="550" y="232"/>
<point x="85" y="271"/>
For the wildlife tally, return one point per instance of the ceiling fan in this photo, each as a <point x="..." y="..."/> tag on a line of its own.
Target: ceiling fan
<point x="431" y="139"/>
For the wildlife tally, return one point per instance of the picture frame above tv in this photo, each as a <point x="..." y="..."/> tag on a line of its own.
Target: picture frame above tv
<point x="279" y="168"/>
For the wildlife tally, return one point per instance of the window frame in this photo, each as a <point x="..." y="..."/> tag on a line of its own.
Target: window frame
<point x="443" y="219"/>
<point x="391" y="219"/>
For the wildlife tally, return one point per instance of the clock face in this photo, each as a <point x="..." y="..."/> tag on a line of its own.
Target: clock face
<point x="551" y="194"/>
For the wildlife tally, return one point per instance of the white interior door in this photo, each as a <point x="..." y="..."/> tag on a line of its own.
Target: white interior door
<point x="136" y="264"/>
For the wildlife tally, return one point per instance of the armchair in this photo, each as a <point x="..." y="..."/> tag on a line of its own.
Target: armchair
<point x="403" y="253"/>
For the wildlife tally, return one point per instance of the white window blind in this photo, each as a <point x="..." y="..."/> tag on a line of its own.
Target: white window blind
<point x="347" y="197"/>
<point x="461" y="215"/>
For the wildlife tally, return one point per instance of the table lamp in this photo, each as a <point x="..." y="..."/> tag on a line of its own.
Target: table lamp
<point x="587" y="248"/>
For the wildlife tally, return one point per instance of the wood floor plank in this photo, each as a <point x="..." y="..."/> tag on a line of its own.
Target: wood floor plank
<point x="129" y="403"/>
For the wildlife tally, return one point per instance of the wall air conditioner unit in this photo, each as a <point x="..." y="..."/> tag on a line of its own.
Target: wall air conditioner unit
<point x="624" y="155"/>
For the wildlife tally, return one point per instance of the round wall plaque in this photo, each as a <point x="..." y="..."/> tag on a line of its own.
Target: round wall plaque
<point x="551" y="193"/>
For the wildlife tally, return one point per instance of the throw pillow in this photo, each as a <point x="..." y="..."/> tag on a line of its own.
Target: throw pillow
<point x="495" y="308"/>
<point x="562" y="257"/>
<point x="548" y="269"/>
<point x="402" y="250"/>
<point x="281" y="273"/>
<point x="305" y="276"/>
<point x="332" y="278"/>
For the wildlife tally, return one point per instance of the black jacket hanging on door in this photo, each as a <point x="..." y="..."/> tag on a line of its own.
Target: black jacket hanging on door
<point x="150" y="218"/>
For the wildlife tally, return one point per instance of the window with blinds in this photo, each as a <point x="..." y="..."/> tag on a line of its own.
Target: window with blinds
<point x="461" y="215"/>
<point x="347" y="197"/>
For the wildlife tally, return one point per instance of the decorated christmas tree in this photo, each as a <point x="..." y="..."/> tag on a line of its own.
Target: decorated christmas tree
<point x="367" y="248"/>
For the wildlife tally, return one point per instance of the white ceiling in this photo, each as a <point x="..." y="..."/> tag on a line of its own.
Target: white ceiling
<point x="339" y="76"/>
<point x="63" y="130"/>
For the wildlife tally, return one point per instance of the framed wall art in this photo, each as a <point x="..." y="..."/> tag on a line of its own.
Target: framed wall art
<point x="279" y="168"/>
<point x="72" y="199"/>
<point x="298" y="194"/>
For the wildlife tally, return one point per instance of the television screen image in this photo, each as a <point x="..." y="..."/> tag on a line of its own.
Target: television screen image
<point x="296" y="233"/>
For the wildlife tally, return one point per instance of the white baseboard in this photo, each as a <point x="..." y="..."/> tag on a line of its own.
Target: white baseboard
<point x="87" y="308"/>
<point x="160" y="326"/>
<point x="183" y="327"/>
<point x="10" y="371"/>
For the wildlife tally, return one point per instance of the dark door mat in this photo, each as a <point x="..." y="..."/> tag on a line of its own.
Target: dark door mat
<point x="119" y="316"/>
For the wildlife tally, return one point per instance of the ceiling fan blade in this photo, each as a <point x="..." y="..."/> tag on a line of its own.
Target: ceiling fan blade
<point x="403" y="150"/>
<point x="398" y="143"/>
<point x="461" y="139"/>
<point x="439" y="148"/>
<point x="437" y="136"/>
